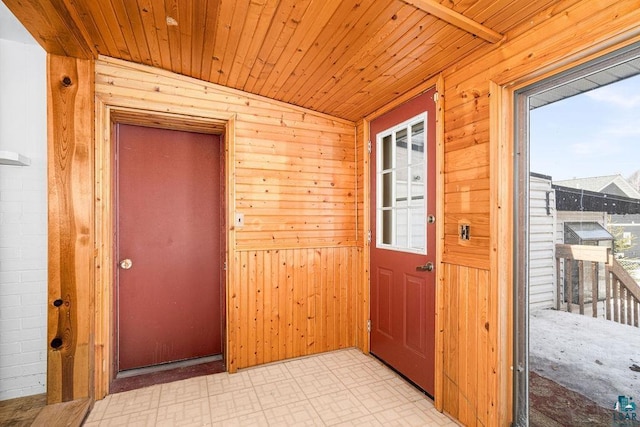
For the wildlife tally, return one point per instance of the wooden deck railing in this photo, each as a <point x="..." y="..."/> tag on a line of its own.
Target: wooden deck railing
<point x="622" y="293"/>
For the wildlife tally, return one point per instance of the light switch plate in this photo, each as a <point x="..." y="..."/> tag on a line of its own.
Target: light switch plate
<point x="239" y="219"/>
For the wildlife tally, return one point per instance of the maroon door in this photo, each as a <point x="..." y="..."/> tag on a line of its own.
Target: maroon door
<point x="169" y="246"/>
<point x="403" y="239"/>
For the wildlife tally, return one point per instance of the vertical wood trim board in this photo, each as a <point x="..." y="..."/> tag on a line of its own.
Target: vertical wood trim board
<point x="104" y="251"/>
<point x="71" y="258"/>
<point x="502" y="155"/>
<point x="440" y="290"/>
<point x="230" y="256"/>
<point x="364" y="225"/>
<point x="293" y="284"/>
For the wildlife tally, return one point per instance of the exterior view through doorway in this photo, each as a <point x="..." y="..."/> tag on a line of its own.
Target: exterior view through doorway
<point x="570" y="278"/>
<point x="170" y="242"/>
<point x="403" y="239"/>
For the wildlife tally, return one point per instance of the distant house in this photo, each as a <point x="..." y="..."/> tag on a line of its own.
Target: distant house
<point x="611" y="184"/>
<point x="624" y="213"/>
<point x="630" y="229"/>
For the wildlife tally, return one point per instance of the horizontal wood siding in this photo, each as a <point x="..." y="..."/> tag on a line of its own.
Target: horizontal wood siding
<point x="293" y="274"/>
<point x="478" y="149"/>
<point x="466" y="179"/>
<point x="542" y="282"/>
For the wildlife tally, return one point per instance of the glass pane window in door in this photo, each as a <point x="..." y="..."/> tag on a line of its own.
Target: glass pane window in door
<point x="402" y="228"/>
<point x="418" y="229"/>
<point x="401" y="199"/>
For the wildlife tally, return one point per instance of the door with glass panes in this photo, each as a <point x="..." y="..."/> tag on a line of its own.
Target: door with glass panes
<point x="403" y="239"/>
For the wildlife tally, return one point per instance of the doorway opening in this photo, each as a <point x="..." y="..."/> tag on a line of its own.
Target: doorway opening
<point x="577" y="296"/>
<point x="169" y="252"/>
<point x="215" y="132"/>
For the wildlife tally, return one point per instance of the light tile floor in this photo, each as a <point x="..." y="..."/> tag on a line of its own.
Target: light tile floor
<point x="344" y="388"/>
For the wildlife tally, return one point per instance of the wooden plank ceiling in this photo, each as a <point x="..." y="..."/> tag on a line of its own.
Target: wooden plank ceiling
<point x="345" y="58"/>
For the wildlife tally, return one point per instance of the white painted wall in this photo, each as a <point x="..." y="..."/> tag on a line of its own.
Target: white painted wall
<point x="23" y="221"/>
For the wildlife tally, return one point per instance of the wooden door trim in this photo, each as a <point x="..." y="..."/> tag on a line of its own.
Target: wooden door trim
<point x="107" y="113"/>
<point x="438" y="82"/>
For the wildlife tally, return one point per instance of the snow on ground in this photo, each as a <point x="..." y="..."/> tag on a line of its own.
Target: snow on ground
<point x="587" y="355"/>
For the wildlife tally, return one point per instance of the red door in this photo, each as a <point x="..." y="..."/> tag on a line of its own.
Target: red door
<point x="403" y="239"/>
<point x="169" y="246"/>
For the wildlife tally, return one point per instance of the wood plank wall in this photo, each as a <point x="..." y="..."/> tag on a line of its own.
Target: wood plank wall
<point x="294" y="266"/>
<point x="292" y="302"/>
<point x="71" y="263"/>
<point x="478" y="179"/>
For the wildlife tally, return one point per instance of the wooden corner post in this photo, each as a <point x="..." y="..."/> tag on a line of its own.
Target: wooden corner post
<point x="70" y="148"/>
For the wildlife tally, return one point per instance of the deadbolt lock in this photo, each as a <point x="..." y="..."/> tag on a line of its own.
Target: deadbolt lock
<point x="126" y="264"/>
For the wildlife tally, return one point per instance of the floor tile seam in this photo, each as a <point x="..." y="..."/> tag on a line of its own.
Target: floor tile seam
<point x="294" y="371"/>
<point x="129" y="414"/>
<point x="353" y="396"/>
<point x="235" y="415"/>
<point x="218" y="393"/>
<point x="101" y="414"/>
<point x="401" y="400"/>
<point x="105" y="415"/>
<point x="275" y="383"/>
<point x="333" y="365"/>
<point x="310" y="405"/>
<point x="271" y="381"/>
<point x="303" y="385"/>
<point x="386" y="408"/>
<point x="351" y="385"/>
<point x="250" y="414"/>
<point x="380" y="408"/>
<point x="180" y="400"/>
<point x="313" y="396"/>
<point x="393" y="389"/>
<point x="224" y="389"/>
<point x="277" y="406"/>
<point x="432" y="413"/>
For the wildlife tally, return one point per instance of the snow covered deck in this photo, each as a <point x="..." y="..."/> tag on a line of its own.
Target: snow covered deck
<point x="597" y="358"/>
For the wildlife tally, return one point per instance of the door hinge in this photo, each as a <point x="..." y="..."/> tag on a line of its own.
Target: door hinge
<point x="369" y="325"/>
<point x="369" y="147"/>
<point x="369" y="236"/>
<point x="436" y="97"/>
<point x="224" y="266"/>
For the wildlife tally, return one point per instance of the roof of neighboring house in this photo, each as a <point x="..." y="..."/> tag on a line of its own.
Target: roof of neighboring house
<point x="573" y="199"/>
<point x="582" y="200"/>
<point x="610" y="184"/>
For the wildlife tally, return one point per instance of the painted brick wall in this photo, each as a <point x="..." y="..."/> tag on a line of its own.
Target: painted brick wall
<point x="23" y="221"/>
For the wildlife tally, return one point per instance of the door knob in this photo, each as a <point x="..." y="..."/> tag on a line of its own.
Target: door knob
<point x="427" y="267"/>
<point x="126" y="264"/>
